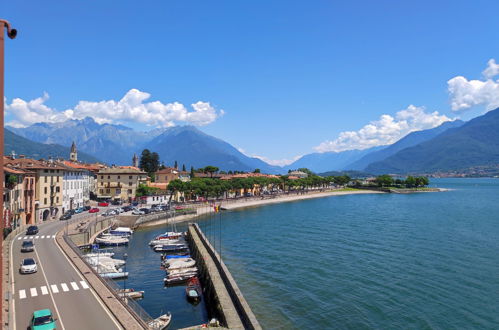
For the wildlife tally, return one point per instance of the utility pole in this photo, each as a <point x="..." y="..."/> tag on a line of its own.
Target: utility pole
<point x="12" y="34"/>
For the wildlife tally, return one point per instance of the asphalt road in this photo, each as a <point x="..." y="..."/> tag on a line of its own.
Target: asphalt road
<point x="56" y="285"/>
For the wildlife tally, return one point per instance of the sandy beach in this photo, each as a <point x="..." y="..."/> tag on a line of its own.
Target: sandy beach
<point x="203" y="209"/>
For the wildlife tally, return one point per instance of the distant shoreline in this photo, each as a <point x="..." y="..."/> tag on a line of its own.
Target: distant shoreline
<point x="241" y="204"/>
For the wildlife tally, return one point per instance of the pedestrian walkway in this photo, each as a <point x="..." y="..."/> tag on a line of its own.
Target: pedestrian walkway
<point x="35" y="237"/>
<point x="54" y="288"/>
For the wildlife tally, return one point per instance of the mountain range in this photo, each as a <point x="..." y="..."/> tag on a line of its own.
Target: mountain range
<point x="31" y="149"/>
<point x="452" y="145"/>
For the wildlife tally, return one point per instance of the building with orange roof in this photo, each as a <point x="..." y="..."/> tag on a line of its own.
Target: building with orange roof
<point x="119" y="182"/>
<point x="48" y="185"/>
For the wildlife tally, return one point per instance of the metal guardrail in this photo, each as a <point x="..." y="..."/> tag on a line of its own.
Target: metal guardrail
<point x="133" y="307"/>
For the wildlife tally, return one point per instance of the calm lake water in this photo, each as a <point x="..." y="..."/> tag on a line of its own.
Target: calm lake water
<point x="380" y="261"/>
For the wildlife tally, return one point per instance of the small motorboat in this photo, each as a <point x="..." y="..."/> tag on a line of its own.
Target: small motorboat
<point x="115" y="275"/>
<point x="177" y="279"/>
<point x="112" y="240"/>
<point x="182" y="271"/>
<point x="180" y="263"/>
<point x="193" y="289"/>
<point x="161" y="322"/>
<point x="121" y="231"/>
<point x="170" y="248"/>
<point x="175" y="256"/>
<point x="131" y="293"/>
<point x="167" y="241"/>
<point x="170" y="235"/>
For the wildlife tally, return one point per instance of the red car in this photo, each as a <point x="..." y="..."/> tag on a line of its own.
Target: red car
<point x="93" y="210"/>
<point x="103" y="204"/>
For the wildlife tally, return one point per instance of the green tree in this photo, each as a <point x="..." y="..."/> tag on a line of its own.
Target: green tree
<point x="175" y="165"/>
<point x="183" y="167"/>
<point x="384" y="180"/>
<point x="192" y="172"/>
<point x="210" y="169"/>
<point x="410" y="182"/>
<point x="257" y="170"/>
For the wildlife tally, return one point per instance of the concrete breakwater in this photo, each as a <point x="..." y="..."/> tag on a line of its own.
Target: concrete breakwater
<point x="225" y="300"/>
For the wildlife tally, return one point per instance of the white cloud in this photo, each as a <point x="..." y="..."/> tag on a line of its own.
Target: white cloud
<point x="385" y="130"/>
<point x="492" y="69"/>
<point x="465" y="93"/>
<point x="132" y="107"/>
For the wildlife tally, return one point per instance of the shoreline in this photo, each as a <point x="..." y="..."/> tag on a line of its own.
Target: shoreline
<point x="241" y="204"/>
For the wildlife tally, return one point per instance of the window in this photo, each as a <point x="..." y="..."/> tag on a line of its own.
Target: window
<point x="130" y="177"/>
<point x="57" y="179"/>
<point x="129" y="183"/>
<point x="45" y="200"/>
<point x="108" y="191"/>
<point x="102" y="177"/>
<point x="45" y="170"/>
<point x="118" y="177"/>
<point x="129" y="191"/>
<point x="109" y="177"/>
<point x="51" y="171"/>
<point x="101" y="191"/>
<point x="45" y="190"/>
<point x="57" y="171"/>
<point x="46" y="179"/>
<point x="57" y="189"/>
<point x="118" y="191"/>
<point x="57" y="200"/>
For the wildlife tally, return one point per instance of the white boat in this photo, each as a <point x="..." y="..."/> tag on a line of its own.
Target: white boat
<point x="114" y="275"/>
<point x="170" y="248"/>
<point x="161" y="322"/>
<point x="112" y="240"/>
<point x="99" y="254"/>
<point x="106" y="261"/>
<point x="131" y="293"/>
<point x="121" y="231"/>
<point x="182" y="271"/>
<point x="172" y="264"/>
<point x="178" y="278"/>
<point x="167" y="241"/>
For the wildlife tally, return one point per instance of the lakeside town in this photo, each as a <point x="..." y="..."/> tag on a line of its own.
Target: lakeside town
<point x="41" y="190"/>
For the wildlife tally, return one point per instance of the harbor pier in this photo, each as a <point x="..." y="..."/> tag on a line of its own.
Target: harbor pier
<point x="224" y="299"/>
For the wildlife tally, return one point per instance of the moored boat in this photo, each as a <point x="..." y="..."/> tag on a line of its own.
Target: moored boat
<point x="112" y="240"/>
<point x="180" y="263"/>
<point x="121" y="231"/>
<point x="193" y="289"/>
<point x="170" y="248"/>
<point x="177" y="279"/>
<point x="161" y="322"/>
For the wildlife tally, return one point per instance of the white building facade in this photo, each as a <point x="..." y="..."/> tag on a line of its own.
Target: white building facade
<point x="75" y="189"/>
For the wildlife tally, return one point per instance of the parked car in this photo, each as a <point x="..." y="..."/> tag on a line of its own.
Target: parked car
<point x="28" y="266"/>
<point x="65" y="216"/>
<point x="87" y="208"/>
<point x="127" y="208"/>
<point x="135" y="203"/>
<point x="42" y="319"/>
<point x="145" y="210"/>
<point x="156" y="209"/>
<point x="28" y="246"/>
<point x="104" y="204"/>
<point x="93" y="210"/>
<point x="32" y="230"/>
<point x="78" y="210"/>
<point x="137" y="212"/>
<point x="117" y="202"/>
<point x="70" y="212"/>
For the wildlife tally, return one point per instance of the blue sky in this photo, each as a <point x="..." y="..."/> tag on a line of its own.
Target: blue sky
<point x="274" y="78"/>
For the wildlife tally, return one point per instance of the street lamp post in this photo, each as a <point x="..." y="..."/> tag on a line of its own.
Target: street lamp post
<point x="125" y="256"/>
<point x="11" y="33"/>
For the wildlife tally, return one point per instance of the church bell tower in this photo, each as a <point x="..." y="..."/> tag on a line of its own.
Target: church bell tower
<point x="73" y="155"/>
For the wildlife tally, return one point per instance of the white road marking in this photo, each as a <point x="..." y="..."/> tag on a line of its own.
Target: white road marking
<point x="36" y="237"/>
<point x="75" y="286"/>
<point x="53" y="236"/>
<point x="20" y="237"/>
<point x="33" y="291"/>
<point x="25" y="237"/>
<point x="44" y="290"/>
<point x="64" y="287"/>
<point x="31" y="237"/>
<point x="54" y="288"/>
<point x="22" y="294"/>
<point x="43" y="236"/>
<point x="84" y="284"/>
